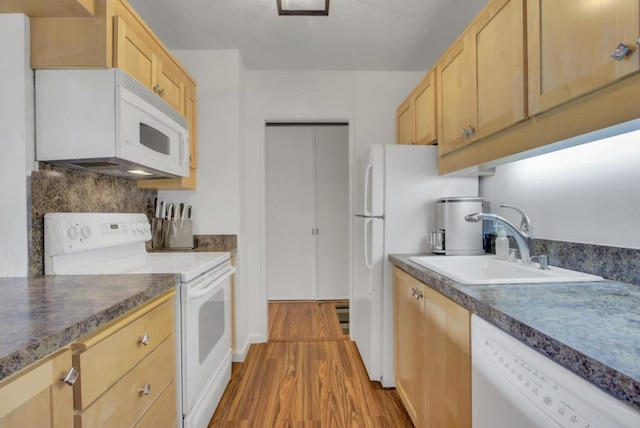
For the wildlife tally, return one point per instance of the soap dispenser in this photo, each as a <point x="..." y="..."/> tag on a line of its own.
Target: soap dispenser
<point x="502" y="244"/>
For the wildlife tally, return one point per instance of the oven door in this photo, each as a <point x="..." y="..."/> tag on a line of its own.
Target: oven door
<point x="205" y="308"/>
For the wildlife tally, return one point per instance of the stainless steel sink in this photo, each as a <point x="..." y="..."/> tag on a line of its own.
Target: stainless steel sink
<point x="490" y="270"/>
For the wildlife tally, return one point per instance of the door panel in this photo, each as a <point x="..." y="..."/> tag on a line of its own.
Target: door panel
<point x="290" y="213"/>
<point x="332" y="210"/>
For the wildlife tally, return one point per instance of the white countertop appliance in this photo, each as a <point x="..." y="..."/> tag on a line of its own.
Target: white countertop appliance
<point x="105" y="121"/>
<point x="513" y="385"/>
<point x="107" y="243"/>
<point x="397" y="187"/>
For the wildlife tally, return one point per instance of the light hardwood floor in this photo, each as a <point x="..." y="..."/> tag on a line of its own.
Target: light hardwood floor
<point x="308" y="375"/>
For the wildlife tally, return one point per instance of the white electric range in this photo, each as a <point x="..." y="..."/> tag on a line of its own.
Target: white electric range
<point x="108" y="243"/>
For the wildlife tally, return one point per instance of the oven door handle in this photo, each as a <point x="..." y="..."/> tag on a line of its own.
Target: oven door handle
<point x="196" y="293"/>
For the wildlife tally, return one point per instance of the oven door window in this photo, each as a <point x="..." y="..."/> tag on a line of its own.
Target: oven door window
<point x="155" y="140"/>
<point x="210" y="325"/>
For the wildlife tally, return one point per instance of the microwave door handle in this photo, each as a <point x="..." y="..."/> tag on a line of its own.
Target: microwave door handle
<point x="184" y="149"/>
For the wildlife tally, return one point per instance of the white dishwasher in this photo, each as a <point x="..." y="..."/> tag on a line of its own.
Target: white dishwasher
<point x="515" y="386"/>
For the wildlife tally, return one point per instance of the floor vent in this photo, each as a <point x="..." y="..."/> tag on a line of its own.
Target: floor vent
<point x="343" y="316"/>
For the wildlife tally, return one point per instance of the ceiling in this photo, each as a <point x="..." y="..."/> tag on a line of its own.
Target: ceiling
<point x="407" y="35"/>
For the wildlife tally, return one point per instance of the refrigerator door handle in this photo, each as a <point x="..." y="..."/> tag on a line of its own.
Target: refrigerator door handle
<point x="367" y="262"/>
<point x="369" y="216"/>
<point x="367" y="181"/>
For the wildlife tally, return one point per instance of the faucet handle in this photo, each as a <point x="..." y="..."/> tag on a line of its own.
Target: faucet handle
<point x="525" y="223"/>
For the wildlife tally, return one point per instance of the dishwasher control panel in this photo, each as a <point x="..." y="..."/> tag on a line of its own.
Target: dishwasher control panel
<point x="535" y="388"/>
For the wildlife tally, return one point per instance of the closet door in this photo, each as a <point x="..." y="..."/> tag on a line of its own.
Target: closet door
<point x="290" y="213"/>
<point x="332" y="211"/>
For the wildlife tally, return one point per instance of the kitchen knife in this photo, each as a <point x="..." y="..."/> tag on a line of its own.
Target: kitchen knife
<point x="169" y="210"/>
<point x="162" y="209"/>
<point x="181" y="211"/>
<point x="156" y="207"/>
<point x="189" y="212"/>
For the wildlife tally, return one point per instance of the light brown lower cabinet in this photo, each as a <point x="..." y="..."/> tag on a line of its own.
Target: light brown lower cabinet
<point x="432" y="355"/>
<point x="126" y="377"/>
<point x="36" y="396"/>
<point x="126" y="367"/>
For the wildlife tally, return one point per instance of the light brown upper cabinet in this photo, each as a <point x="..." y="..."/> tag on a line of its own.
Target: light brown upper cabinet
<point x="481" y="78"/>
<point x="416" y="116"/>
<point x="571" y="44"/>
<point x="118" y="37"/>
<point x="405" y="133"/>
<point x="424" y="104"/>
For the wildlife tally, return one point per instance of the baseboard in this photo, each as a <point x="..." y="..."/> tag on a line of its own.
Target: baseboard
<point x="241" y="352"/>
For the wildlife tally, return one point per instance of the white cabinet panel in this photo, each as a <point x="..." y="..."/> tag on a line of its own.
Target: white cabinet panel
<point x="332" y="210"/>
<point x="307" y="217"/>
<point x="290" y="204"/>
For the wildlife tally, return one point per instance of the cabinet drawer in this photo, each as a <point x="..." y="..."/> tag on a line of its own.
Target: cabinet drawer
<point x="162" y="412"/>
<point x="105" y="357"/>
<point x="124" y="403"/>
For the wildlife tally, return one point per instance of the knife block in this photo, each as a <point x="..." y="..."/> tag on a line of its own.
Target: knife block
<point x="178" y="234"/>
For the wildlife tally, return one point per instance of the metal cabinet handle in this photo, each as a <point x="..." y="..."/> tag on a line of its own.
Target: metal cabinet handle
<point x="620" y="52"/>
<point x="468" y="131"/>
<point x="71" y="377"/>
<point x="144" y="340"/>
<point x="145" y="390"/>
<point x="156" y="89"/>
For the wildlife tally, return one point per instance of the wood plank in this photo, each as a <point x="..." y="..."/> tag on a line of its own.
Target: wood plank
<point x="304" y="321"/>
<point x="313" y="383"/>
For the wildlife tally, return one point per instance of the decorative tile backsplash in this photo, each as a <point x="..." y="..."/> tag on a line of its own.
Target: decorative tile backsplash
<point x="614" y="263"/>
<point x="58" y="189"/>
<point x="617" y="264"/>
<point x="216" y="242"/>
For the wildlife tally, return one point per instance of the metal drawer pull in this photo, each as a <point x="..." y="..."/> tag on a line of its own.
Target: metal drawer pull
<point x="621" y="51"/>
<point x="71" y="377"/>
<point x="144" y="339"/>
<point x="146" y="389"/>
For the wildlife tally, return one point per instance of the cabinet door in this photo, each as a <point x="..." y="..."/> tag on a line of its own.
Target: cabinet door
<point x="424" y="101"/>
<point x="405" y="133"/>
<point x="133" y="55"/>
<point x="36" y="397"/>
<point x="499" y="46"/>
<point x="409" y="344"/>
<point x="570" y="44"/>
<point x="448" y="362"/>
<point x="191" y="113"/>
<point x="456" y="80"/>
<point x="171" y="87"/>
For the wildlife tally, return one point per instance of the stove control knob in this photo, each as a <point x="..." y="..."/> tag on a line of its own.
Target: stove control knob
<point x="146" y="227"/>
<point x="72" y="232"/>
<point x="134" y="227"/>
<point x="85" y="231"/>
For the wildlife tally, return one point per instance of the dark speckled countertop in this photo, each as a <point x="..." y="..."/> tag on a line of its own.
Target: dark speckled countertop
<point x="40" y="315"/>
<point x="593" y="328"/>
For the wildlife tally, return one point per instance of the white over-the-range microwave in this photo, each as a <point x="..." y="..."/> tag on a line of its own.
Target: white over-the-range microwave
<point x="106" y="121"/>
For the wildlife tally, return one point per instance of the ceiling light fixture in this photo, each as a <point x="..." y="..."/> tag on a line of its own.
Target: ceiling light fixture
<point x="303" y="7"/>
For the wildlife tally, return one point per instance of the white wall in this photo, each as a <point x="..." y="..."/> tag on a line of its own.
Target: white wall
<point x="366" y="99"/>
<point x="216" y="202"/>
<point x="16" y="142"/>
<point x="587" y="194"/>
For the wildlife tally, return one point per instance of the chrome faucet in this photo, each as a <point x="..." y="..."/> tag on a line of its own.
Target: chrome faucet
<point x="523" y="236"/>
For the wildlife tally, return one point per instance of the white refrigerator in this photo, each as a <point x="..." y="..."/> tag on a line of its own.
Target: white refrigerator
<point x="396" y="191"/>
